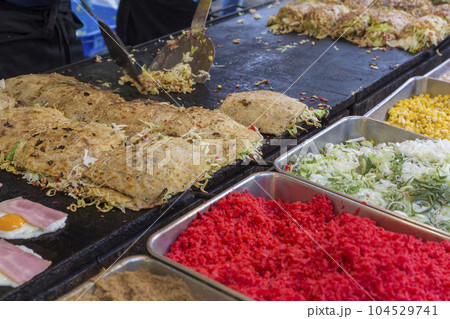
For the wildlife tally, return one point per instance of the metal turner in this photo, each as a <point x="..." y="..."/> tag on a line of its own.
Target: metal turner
<point x="115" y="46"/>
<point x="193" y="43"/>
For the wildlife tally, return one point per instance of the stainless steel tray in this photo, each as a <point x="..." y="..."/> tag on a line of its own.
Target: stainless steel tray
<point x="440" y="70"/>
<point x="349" y="127"/>
<point x="352" y="127"/>
<point x="414" y="86"/>
<point x="200" y="291"/>
<point x="272" y="185"/>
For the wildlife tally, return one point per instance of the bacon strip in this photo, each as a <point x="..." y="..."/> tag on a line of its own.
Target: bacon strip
<point x="18" y="265"/>
<point x="34" y="213"/>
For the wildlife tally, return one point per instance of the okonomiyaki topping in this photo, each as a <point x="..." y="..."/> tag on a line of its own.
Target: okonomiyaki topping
<point x="19" y="265"/>
<point x="178" y="79"/>
<point x="34" y="213"/>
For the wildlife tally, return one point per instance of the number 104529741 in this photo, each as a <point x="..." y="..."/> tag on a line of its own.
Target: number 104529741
<point x="403" y="310"/>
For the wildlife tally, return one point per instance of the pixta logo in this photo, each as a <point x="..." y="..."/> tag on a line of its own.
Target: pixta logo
<point x="329" y="311"/>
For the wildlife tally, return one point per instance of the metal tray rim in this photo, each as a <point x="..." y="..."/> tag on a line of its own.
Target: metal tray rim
<point x="391" y="213"/>
<point x="401" y="88"/>
<point x="87" y="284"/>
<point x="122" y="263"/>
<point x="210" y="202"/>
<point x="188" y="270"/>
<point x="381" y="209"/>
<point x="386" y="99"/>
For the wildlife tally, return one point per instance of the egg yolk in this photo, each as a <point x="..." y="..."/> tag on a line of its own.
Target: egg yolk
<point x="11" y="222"/>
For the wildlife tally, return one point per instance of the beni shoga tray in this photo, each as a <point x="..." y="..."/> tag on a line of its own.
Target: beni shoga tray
<point x="272" y="185"/>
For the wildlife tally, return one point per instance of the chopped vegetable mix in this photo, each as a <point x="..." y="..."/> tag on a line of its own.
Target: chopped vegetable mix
<point x="410" y="25"/>
<point x="178" y="79"/>
<point x="411" y="178"/>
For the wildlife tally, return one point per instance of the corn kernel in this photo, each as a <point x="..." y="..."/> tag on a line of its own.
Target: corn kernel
<point x="423" y="114"/>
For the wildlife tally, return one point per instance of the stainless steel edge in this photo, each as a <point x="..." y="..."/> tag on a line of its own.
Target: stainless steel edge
<point x="414" y="86"/>
<point x="349" y="128"/>
<point x="159" y="243"/>
<point x="273" y="185"/>
<point x="440" y="70"/>
<point x="378" y="114"/>
<point x="199" y="290"/>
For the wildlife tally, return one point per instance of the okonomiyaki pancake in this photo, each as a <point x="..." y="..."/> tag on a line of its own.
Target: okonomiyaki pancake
<point x="137" y="115"/>
<point x="425" y="31"/>
<point x="237" y="138"/>
<point x="26" y="88"/>
<point x="151" y="170"/>
<point x="6" y="102"/>
<point x="292" y="16"/>
<point x="113" y="198"/>
<point x="353" y="25"/>
<point x="15" y="123"/>
<point x="442" y="10"/>
<point x="396" y="23"/>
<point x="179" y="122"/>
<point x="386" y="25"/>
<point x="321" y="20"/>
<point x="356" y="3"/>
<point x="270" y="112"/>
<point x="415" y="7"/>
<point x="77" y="102"/>
<point x="58" y="148"/>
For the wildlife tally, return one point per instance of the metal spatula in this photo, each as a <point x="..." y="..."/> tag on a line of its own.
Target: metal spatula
<point x="195" y="43"/>
<point x="115" y="46"/>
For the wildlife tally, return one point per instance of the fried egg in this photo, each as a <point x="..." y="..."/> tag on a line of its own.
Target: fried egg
<point x="13" y="226"/>
<point x="5" y="281"/>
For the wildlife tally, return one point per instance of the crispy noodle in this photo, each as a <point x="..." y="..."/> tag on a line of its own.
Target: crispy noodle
<point x="251" y="153"/>
<point x="84" y="193"/>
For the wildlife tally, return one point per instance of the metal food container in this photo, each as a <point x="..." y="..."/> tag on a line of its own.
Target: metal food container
<point x="440" y="70"/>
<point x="414" y="86"/>
<point x="199" y="290"/>
<point x="272" y="185"/>
<point x="348" y="128"/>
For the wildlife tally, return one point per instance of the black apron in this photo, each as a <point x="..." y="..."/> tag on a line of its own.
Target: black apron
<point x="140" y="21"/>
<point x="37" y="39"/>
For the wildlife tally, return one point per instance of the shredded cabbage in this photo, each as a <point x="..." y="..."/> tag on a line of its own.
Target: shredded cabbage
<point x="178" y="79"/>
<point x="88" y="160"/>
<point x="411" y="178"/>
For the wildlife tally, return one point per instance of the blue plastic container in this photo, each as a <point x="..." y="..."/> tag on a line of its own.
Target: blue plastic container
<point x="90" y="35"/>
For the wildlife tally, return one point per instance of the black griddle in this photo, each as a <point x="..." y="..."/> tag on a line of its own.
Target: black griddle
<point x="342" y="76"/>
<point x="88" y="233"/>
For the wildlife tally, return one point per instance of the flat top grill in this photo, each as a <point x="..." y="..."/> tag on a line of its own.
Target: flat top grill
<point x="342" y="75"/>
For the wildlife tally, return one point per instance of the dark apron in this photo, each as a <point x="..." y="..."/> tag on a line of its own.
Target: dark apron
<point x="140" y="21"/>
<point x="37" y="39"/>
